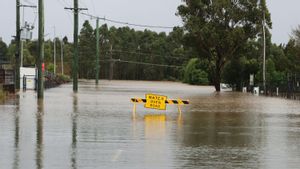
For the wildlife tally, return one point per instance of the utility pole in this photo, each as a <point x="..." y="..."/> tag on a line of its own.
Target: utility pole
<point x="97" y="52"/>
<point x="21" y="39"/>
<point x="62" y="56"/>
<point x="137" y="70"/>
<point x="111" y="65"/>
<point x="54" y="52"/>
<point x="75" y="57"/>
<point x="40" y="62"/>
<point x="22" y="53"/>
<point x="264" y="54"/>
<point x="18" y="46"/>
<point x="75" y="52"/>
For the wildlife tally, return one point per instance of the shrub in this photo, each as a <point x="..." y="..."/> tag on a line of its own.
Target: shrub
<point x="2" y="95"/>
<point x="194" y="75"/>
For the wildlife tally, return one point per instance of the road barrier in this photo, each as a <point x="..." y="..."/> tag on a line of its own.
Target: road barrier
<point x="178" y="101"/>
<point x="158" y="102"/>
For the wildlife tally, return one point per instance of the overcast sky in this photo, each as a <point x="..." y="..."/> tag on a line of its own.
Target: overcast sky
<point x="285" y="15"/>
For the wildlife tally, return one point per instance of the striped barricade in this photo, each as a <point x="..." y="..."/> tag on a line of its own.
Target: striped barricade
<point x="178" y="101"/>
<point x="158" y="102"/>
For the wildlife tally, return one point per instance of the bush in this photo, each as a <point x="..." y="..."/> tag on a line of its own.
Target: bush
<point x="50" y="67"/>
<point x="194" y="75"/>
<point x="2" y="95"/>
<point x="64" y="78"/>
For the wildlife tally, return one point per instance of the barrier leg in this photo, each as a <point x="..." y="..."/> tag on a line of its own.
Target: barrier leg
<point x="179" y="109"/>
<point x="134" y="110"/>
<point x="179" y="119"/>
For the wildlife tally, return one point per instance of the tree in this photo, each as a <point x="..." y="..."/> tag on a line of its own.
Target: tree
<point x="218" y="29"/>
<point x="87" y="51"/>
<point x="193" y="74"/>
<point x="292" y="51"/>
<point x="3" y="50"/>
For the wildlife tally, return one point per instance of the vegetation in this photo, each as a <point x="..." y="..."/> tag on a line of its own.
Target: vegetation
<point x="193" y="74"/>
<point x="3" y="50"/>
<point x="219" y="29"/>
<point x="2" y="95"/>
<point x="221" y="41"/>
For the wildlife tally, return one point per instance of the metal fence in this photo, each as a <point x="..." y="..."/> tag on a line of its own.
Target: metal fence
<point x="288" y="88"/>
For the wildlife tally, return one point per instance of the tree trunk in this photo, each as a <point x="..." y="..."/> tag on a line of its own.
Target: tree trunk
<point x="217" y="84"/>
<point x="217" y="78"/>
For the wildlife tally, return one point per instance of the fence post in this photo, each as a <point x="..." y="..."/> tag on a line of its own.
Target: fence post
<point x="24" y="83"/>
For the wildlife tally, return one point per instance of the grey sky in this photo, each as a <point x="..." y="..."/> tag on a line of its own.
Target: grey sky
<point x="285" y="15"/>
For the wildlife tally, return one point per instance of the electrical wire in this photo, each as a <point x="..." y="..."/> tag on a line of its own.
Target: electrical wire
<point x="35" y="18"/>
<point x="149" y="54"/>
<point x="145" y="54"/>
<point x="31" y="5"/>
<point x="29" y="2"/>
<point x="131" y="62"/>
<point x="66" y="3"/>
<point x="84" y="5"/>
<point x="126" y="23"/>
<point x="63" y="3"/>
<point x="93" y="5"/>
<point x="149" y="64"/>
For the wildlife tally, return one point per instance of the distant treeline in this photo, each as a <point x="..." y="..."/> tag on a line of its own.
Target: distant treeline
<point x="220" y="41"/>
<point x="134" y="55"/>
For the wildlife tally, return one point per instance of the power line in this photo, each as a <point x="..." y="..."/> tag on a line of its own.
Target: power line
<point x="145" y="54"/>
<point x="125" y="23"/>
<point x="93" y="5"/>
<point x="84" y="5"/>
<point x="132" y="62"/>
<point x="29" y="2"/>
<point x="149" y="64"/>
<point x="64" y="3"/>
<point x="149" y="54"/>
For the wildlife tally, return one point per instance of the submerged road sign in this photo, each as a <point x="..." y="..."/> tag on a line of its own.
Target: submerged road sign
<point x="155" y="102"/>
<point x="158" y="102"/>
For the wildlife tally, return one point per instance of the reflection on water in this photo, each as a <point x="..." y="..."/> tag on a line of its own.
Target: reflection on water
<point x="74" y="131"/>
<point x="156" y="144"/>
<point x="17" y="133"/>
<point x="39" y="134"/>
<point x="95" y="128"/>
<point x="234" y="131"/>
<point x="155" y="126"/>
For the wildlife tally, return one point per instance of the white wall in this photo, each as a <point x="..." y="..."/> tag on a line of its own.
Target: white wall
<point x="30" y="74"/>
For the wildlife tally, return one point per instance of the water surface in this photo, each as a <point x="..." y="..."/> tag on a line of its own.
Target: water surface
<point x="95" y="129"/>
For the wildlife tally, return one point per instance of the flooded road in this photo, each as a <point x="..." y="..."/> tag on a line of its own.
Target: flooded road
<point x="95" y="129"/>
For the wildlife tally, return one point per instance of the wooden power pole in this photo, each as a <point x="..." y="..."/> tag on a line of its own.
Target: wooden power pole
<point x="97" y="52"/>
<point x="75" y="50"/>
<point x="40" y="60"/>
<point x="18" y="46"/>
<point x="75" y="54"/>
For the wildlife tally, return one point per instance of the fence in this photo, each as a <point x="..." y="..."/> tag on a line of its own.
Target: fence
<point x="288" y="88"/>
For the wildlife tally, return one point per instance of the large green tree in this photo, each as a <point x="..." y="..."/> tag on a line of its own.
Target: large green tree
<point x="292" y="52"/>
<point x="218" y="29"/>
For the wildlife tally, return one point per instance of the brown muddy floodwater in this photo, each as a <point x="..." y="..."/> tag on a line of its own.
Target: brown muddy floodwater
<point x="95" y="129"/>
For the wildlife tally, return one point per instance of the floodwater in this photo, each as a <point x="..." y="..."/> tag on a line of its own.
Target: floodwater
<point x="97" y="129"/>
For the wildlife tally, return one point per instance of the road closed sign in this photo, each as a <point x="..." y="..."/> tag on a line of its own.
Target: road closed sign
<point x="154" y="101"/>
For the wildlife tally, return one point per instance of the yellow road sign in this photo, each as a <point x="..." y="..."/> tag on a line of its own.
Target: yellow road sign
<point x="154" y="101"/>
